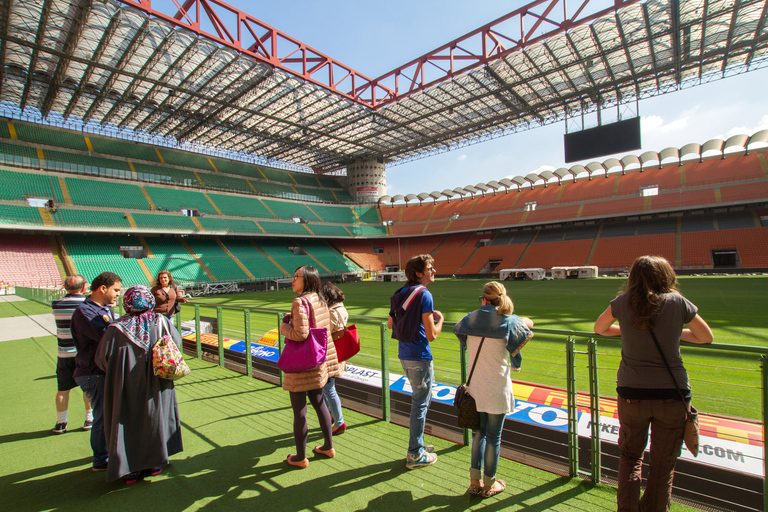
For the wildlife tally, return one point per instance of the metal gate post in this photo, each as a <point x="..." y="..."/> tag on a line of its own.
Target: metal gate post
<point x="594" y="403"/>
<point x="198" y="334"/>
<point x="248" y="356"/>
<point x="573" y="433"/>
<point x="220" y="322"/>
<point x="464" y="371"/>
<point x="385" y="406"/>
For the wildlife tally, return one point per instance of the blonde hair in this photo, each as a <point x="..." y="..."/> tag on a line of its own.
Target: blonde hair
<point x="495" y="293"/>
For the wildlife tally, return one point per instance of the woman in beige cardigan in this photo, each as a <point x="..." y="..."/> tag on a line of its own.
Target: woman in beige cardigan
<point x="306" y="282"/>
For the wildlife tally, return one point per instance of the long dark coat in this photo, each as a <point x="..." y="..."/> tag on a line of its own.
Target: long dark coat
<point x="141" y="414"/>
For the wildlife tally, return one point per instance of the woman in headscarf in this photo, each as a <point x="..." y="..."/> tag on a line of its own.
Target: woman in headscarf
<point x="141" y="414"/>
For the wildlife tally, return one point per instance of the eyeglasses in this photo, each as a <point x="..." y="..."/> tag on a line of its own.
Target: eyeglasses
<point x="296" y="277"/>
<point x="481" y="298"/>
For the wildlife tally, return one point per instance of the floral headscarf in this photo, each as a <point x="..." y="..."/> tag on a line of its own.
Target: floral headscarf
<point x="138" y="303"/>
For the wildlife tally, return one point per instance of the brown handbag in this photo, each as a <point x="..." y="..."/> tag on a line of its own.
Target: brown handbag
<point x="466" y="407"/>
<point x="691" y="434"/>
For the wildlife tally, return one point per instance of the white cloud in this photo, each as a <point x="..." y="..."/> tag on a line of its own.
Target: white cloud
<point x="461" y="158"/>
<point x="762" y="124"/>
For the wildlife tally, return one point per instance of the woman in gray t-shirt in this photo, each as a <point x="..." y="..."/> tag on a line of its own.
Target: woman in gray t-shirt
<point x="647" y="393"/>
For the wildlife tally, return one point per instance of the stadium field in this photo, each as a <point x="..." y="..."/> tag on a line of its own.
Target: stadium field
<point x="724" y="382"/>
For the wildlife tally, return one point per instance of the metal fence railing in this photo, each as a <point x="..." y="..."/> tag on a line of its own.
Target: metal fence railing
<point x="565" y="417"/>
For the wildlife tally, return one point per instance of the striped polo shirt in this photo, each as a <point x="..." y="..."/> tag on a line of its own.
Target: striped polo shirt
<point x="62" y="312"/>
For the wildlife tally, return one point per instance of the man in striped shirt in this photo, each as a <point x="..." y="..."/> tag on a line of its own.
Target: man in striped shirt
<point x="65" y="366"/>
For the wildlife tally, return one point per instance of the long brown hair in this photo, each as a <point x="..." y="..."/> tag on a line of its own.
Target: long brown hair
<point x="650" y="277"/>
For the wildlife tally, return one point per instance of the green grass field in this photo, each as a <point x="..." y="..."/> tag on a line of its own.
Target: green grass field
<point x="724" y="382"/>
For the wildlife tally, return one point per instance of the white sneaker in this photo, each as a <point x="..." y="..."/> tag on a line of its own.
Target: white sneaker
<point x="420" y="461"/>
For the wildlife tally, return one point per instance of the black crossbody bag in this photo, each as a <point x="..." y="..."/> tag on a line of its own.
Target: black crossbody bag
<point x="691" y="435"/>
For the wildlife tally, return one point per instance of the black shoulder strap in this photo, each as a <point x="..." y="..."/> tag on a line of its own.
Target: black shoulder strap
<point x="474" y="363"/>
<point x="663" y="358"/>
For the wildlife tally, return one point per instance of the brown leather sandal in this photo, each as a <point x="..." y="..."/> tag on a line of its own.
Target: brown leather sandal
<point x="487" y="493"/>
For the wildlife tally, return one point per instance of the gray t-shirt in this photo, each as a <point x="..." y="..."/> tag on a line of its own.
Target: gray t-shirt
<point x="641" y="364"/>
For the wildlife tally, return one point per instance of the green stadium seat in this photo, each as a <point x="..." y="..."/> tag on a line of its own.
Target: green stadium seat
<point x="39" y="134"/>
<point x="128" y="149"/>
<point x="107" y="194"/>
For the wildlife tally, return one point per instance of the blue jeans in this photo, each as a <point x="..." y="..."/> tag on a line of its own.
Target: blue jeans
<point x="332" y="402"/>
<point x="93" y="386"/>
<point x="485" y="448"/>
<point x="420" y="375"/>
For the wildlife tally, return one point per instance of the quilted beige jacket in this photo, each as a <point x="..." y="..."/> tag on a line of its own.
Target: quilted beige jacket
<point x="298" y="330"/>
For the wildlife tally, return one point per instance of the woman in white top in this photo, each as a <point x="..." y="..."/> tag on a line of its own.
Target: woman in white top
<point x="496" y="333"/>
<point x="334" y="298"/>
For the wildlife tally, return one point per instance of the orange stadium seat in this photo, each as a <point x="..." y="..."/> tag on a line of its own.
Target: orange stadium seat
<point x="556" y="254"/>
<point x="735" y="193"/>
<point x="454" y="252"/>
<point x="750" y="243"/>
<point x="620" y="252"/>
<point x="585" y="190"/>
<point x="613" y="206"/>
<point x="493" y="204"/>
<point x="697" y="197"/>
<point x="553" y="213"/>
<point x="508" y="254"/>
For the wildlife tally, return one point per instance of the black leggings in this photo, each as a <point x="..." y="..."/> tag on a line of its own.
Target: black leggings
<point x="300" y="429"/>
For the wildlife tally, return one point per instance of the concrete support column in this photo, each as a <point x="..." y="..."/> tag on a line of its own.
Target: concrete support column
<point x="367" y="180"/>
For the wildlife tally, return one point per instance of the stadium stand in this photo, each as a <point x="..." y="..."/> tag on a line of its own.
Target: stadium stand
<point x="106" y="194"/>
<point x="93" y="255"/>
<point x="26" y="260"/>
<point x="14" y="215"/>
<point x="170" y="254"/>
<point x="124" y="148"/>
<point x="241" y="206"/>
<point x="158" y="221"/>
<point x="87" y="219"/>
<point x="749" y="243"/>
<point x="175" y="199"/>
<point x="221" y="264"/>
<point x="554" y="254"/>
<point x="165" y="175"/>
<point x="18" y="185"/>
<point x="39" y="134"/>
<point x="618" y="253"/>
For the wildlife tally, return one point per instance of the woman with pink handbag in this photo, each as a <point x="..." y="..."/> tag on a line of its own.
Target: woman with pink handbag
<point x="309" y="311"/>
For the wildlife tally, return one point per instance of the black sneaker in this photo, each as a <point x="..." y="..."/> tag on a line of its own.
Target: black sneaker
<point x="88" y="425"/>
<point x="101" y="467"/>
<point x="60" y="428"/>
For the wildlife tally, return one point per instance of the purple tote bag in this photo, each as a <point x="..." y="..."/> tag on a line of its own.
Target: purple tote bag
<point x="302" y="356"/>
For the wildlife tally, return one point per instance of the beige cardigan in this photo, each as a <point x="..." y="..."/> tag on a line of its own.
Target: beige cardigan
<point x="298" y="330"/>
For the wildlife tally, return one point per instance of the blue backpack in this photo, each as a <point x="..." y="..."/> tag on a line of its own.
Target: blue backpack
<point x="406" y="320"/>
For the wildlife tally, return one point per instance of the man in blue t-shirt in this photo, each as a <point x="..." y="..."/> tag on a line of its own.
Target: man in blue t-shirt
<point x="414" y="323"/>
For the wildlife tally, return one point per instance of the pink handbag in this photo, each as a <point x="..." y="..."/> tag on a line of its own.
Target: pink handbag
<point x="302" y="356"/>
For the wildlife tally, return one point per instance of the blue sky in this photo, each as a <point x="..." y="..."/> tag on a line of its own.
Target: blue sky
<point x="374" y="38"/>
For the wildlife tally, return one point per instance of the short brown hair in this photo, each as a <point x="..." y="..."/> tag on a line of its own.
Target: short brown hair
<point x="417" y="265"/>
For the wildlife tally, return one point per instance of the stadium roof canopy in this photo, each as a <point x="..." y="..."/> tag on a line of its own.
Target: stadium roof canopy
<point x="209" y="74"/>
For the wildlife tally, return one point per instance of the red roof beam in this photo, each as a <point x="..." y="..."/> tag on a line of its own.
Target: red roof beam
<point x="544" y="26"/>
